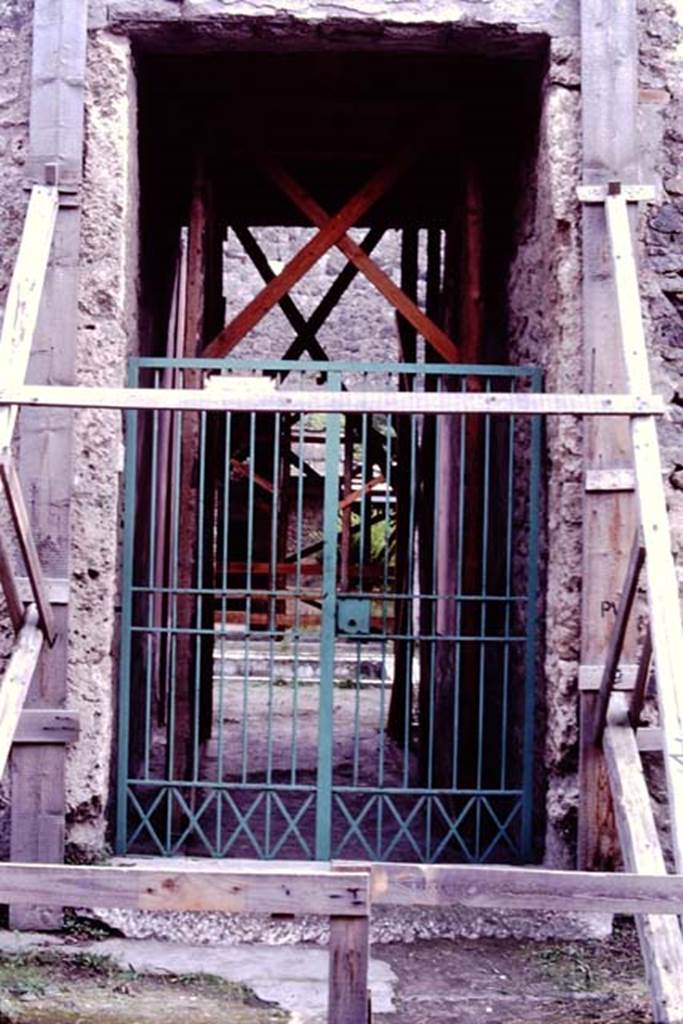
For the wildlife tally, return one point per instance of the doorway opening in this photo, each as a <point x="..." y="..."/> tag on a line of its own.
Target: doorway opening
<point x="329" y="628"/>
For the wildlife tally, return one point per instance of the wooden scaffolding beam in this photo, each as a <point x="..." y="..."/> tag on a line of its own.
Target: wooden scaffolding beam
<point x="44" y="465"/>
<point x="660" y="937"/>
<point x="609" y="71"/>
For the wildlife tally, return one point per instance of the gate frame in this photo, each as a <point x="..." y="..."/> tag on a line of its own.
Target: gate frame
<point x="325" y="788"/>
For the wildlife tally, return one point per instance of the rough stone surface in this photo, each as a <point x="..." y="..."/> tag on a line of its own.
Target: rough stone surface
<point x="388" y="924"/>
<point x="106" y="335"/>
<point x="545" y="330"/>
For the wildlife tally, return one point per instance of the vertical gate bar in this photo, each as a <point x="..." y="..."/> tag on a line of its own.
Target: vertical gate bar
<point x="323" y="818"/>
<point x="358" y="673"/>
<point x="126" y="620"/>
<point x="362" y="588"/>
<point x="385" y="599"/>
<point x="483" y="614"/>
<point x="458" y="592"/>
<point x="363" y="503"/>
<point x="410" y="626"/>
<point x="508" y="595"/>
<point x="175" y="556"/>
<point x="272" y="621"/>
<point x="297" y="599"/>
<point x="531" y="625"/>
<point x="199" y="599"/>
<point x="434" y="619"/>
<point x="151" y="639"/>
<point x="247" y="602"/>
<point x="225" y="554"/>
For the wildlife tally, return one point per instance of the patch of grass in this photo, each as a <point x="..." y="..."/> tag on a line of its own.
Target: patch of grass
<point x="80" y="928"/>
<point x="36" y="972"/>
<point x="592" y="966"/>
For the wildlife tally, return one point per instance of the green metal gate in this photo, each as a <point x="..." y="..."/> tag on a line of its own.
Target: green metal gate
<point x="329" y="622"/>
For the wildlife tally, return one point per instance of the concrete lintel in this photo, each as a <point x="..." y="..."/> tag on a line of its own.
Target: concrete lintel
<point x="415" y="24"/>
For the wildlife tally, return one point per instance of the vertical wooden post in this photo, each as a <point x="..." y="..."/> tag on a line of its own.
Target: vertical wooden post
<point x="348" y="978"/>
<point x="609" y="102"/>
<point x="56" y="147"/>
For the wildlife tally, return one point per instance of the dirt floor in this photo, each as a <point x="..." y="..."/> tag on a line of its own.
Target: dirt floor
<point x="439" y="982"/>
<point x="503" y="981"/>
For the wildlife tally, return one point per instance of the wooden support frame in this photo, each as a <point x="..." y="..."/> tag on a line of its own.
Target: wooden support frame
<point x="25" y="291"/>
<point x="663" y="598"/>
<point x="233" y="398"/>
<point x="403" y="304"/>
<point x="334" y="229"/>
<point x="610" y="149"/>
<point x="306" y="334"/>
<point x="344" y="888"/>
<point x="616" y="643"/>
<point x="20" y="518"/>
<point x="8" y="582"/>
<point x="642" y="676"/>
<point x="56" y="156"/>
<point x="660" y="937"/>
<point x="17" y="679"/>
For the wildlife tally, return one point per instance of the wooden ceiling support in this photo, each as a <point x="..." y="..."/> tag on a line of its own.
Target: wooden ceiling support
<point x="290" y="309"/>
<point x="335" y="228"/>
<point x="433" y="334"/>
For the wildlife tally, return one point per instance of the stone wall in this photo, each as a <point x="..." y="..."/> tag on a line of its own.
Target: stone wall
<point x="106" y="336"/>
<point x="661" y="94"/>
<point x="545" y="330"/>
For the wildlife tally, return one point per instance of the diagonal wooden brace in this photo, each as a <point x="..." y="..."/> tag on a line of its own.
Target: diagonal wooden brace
<point x="287" y="304"/>
<point x="25" y="292"/>
<point x="16" y="680"/>
<point x="10" y="588"/>
<point x="436" y="337"/>
<point x="22" y="525"/>
<point x="334" y="229"/>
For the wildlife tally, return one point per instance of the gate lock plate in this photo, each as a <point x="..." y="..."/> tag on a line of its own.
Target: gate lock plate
<point x="353" y="615"/>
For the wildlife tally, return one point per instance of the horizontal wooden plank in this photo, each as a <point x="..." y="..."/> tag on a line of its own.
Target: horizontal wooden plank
<point x="631" y="193"/>
<point x="649" y="739"/>
<point x="17" y="679"/>
<point x="47" y="725"/>
<point x="590" y="677"/>
<point x="57" y="589"/>
<point x="524" y="888"/>
<point x="224" y="400"/>
<point x="446" y="884"/>
<point x="229" y="890"/>
<point x="598" y="480"/>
